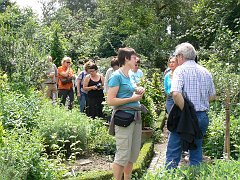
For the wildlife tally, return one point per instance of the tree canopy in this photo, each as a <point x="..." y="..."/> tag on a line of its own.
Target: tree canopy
<point x="83" y="28"/>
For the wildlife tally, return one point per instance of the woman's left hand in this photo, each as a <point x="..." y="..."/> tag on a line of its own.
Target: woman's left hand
<point x="140" y="90"/>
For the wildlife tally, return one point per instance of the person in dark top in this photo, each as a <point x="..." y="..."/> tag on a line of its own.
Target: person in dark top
<point x="94" y="85"/>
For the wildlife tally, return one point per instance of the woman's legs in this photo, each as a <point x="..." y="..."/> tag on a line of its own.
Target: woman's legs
<point x="117" y="171"/>
<point x="99" y="107"/>
<point x="128" y="171"/>
<point x="128" y="143"/>
<point x="71" y="98"/>
<point x="62" y="94"/>
<point x="91" y="107"/>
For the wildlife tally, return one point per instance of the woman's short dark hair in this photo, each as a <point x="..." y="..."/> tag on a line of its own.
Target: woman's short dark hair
<point x="114" y="61"/>
<point x="90" y="65"/>
<point x="125" y="53"/>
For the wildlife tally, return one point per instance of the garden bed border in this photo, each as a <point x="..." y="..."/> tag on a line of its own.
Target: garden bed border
<point x="143" y="161"/>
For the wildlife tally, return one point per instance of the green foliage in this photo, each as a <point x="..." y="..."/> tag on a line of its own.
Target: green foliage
<point x="64" y="132"/>
<point x="19" y="110"/>
<point x="98" y="138"/>
<point x="57" y="50"/>
<point x="213" y="143"/>
<point x="1" y="134"/>
<point x="153" y="98"/>
<point x="151" y="115"/>
<point x="70" y="134"/>
<point x="156" y="90"/>
<point x="21" y="157"/>
<point x="21" y="48"/>
<point x="217" y="170"/>
<point x="143" y="27"/>
<point x="210" y="17"/>
<point x="144" y="159"/>
<point x="77" y="5"/>
<point x="94" y="175"/>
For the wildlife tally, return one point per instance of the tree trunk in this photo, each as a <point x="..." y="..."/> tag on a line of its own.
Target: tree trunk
<point x="227" y="123"/>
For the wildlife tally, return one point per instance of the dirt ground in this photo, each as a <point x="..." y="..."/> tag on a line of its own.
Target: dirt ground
<point x="91" y="163"/>
<point x="96" y="162"/>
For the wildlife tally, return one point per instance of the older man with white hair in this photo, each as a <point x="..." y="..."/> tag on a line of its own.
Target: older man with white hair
<point x="194" y="83"/>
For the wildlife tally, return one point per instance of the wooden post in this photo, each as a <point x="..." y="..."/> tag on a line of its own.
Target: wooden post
<point x="227" y="124"/>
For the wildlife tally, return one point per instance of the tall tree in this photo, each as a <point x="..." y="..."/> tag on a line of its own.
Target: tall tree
<point x="4" y="4"/>
<point x="212" y="15"/>
<point x="143" y="25"/>
<point x="87" y="6"/>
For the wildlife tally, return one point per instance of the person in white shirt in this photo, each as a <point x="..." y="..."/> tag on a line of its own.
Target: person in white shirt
<point x="136" y="74"/>
<point x="114" y="67"/>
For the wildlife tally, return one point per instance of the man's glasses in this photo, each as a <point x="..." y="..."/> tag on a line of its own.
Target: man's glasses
<point x="68" y="62"/>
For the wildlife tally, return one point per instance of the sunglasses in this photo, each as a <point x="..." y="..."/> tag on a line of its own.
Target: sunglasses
<point x="68" y="62"/>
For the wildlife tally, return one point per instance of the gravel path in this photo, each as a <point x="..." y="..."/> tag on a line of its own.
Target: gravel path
<point x="160" y="153"/>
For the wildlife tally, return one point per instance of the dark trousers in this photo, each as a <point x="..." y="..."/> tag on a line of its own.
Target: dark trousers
<point x="63" y="94"/>
<point x="95" y="107"/>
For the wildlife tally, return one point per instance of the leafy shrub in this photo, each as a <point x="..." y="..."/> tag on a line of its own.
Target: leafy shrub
<point x="21" y="157"/>
<point x="153" y="99"/>
<point x="98" y="138"/>
<point x="151" y="115"/>
<point x="69" y="134"/>
<point x="64" y="132"/>
<point x="144" y="159"/>
<point x="218" y="170"/>
<point x="213" y="143"/>
<point x="20" y="110"/>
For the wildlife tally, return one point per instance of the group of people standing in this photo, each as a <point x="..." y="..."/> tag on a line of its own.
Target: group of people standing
<point x="89" y="85"/>
<point x="189" y="88"/>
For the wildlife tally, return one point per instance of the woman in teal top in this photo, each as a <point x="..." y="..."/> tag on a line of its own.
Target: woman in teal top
<point x="172" y="64"/>
<point x="121" y="92"/>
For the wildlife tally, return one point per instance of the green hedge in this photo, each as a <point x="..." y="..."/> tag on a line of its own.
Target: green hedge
<point x="144" y="158"/>
<point x="139" y="167"/>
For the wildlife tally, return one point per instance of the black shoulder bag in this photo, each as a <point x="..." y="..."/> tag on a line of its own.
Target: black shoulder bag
<point x="122" y="118"/>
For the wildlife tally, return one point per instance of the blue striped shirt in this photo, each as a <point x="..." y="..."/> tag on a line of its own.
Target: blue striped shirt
<point x="195" y="82"/>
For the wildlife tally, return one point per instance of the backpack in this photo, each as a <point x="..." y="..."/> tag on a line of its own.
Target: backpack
<point x="82" y="79"/>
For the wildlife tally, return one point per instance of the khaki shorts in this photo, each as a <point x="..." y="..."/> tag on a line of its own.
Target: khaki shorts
<point x="128" y="143"/>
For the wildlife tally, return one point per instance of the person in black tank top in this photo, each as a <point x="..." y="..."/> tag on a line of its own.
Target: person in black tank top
<point x="94" y="84"/>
